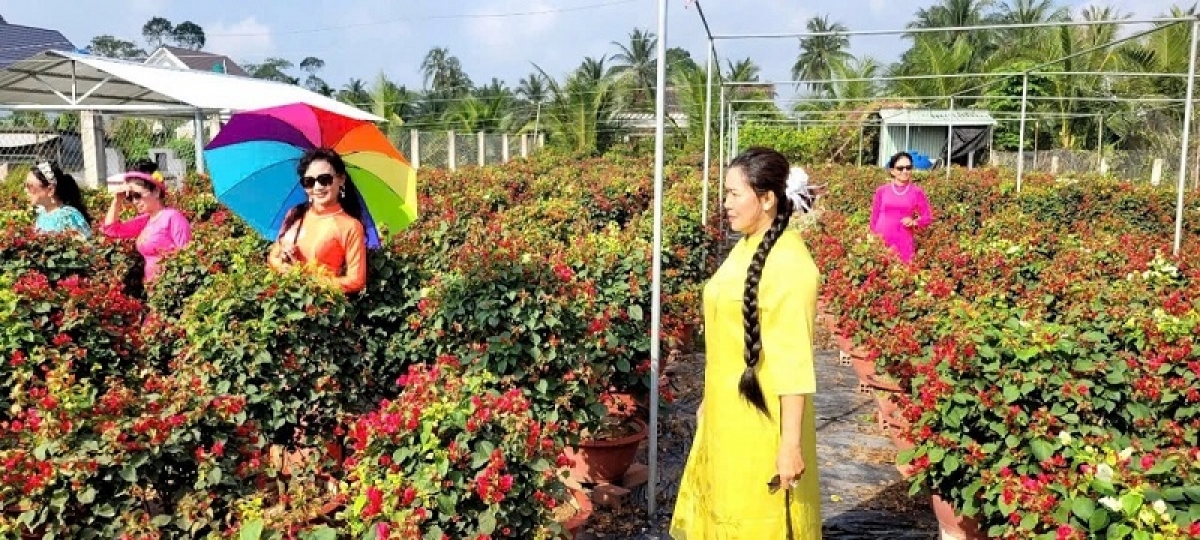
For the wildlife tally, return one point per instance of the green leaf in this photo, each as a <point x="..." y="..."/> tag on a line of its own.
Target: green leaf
<point x="635" y="312"/>
<point x="1083" y="508"/>
<point x="1131" y="503"/>
<point x="1026" y="353"/>
<point x="323" y="532"/>
<point x="936" y="454"/>
<point x="161" y="520"/>
<point x="487" y="522"/>
<point x="214" y="476"/>
<point x="1042" y="450"/>
<point x="1011" y="394"/>
<point x="88" y="496"/>
<point x="1098" y="521"/>
<point x="951" y="463"/>
<point x="1030" y="521"/>
<point x="129" y="473"/>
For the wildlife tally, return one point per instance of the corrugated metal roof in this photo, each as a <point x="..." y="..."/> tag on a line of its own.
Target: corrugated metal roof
<point x="112" y="82"/>
<point x="19" y="42"/>
<point x="936" y="117"/>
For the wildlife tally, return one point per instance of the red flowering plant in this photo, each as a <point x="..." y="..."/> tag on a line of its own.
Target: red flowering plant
<point x="284" y="341"/>
<point x="58" y="256"/>
<point x="94" y="442"/>
<point x="455" y="455"/>
<point x="523" y="314"/>
<point x="75" y="313"/>
<point x="1094" y="487"/>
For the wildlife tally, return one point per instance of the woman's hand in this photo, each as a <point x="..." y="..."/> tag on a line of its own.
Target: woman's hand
<point x="908" y="222"/>
<point x="790" y="465"/>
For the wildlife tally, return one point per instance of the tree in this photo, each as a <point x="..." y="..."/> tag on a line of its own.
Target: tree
<point x="157" y="31"/>
<point x="112" y="47"/>
<point x="355" y="93"/>
<point x="636" y="66"/>
<point x="443" y="73"/>
<point x="580" y="114"/>
<point x="678" y="59"/>
<point x="188" y="35"/>
<point x="312" y="65"/>
<point x="818" y="54"/>
<point x="273" y="69"/>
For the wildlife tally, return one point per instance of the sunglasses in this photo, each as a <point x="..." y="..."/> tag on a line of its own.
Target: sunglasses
<point x="903" y="168"/>
<point x="133" y="196"/>
<point x="309" y="181"/>
<point x="774" y="484"/>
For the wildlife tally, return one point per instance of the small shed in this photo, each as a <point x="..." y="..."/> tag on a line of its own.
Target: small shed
<point x="967" y="133"/>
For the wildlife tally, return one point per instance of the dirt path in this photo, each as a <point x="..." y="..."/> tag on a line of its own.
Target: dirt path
<point x="863" y="496"/>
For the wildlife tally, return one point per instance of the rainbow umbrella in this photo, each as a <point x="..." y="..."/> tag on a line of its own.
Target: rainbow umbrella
<point x="253" y="162"/>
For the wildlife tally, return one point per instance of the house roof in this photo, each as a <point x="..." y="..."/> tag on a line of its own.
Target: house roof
<point x="82" y="81"/>
<point x="18" y="42"/>
<point x="206" y="61"/>
<point x="936" y="117"/>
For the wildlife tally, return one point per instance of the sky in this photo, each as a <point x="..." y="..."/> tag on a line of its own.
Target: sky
<point x="492" y="38"/>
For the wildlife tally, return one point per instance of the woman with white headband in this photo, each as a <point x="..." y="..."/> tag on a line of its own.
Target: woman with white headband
<point x="59" y="203"/>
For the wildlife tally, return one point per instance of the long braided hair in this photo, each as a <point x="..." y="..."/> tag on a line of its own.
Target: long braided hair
<point x="766" y="171"/>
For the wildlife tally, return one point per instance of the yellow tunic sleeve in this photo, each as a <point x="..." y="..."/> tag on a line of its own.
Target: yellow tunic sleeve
<point x="788" y="300"/>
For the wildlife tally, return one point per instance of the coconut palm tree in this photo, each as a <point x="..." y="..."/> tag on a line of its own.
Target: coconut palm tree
<point x="1017" y="42"/>
<point x="956" y="13"/>
<point x="580" y="114"/>
<point x="635" y="66"/>
<point x="819" y="53"/>
<point x="355" y="93"/>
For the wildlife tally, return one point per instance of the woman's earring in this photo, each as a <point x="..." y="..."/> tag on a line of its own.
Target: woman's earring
<point x="343" y="192"/>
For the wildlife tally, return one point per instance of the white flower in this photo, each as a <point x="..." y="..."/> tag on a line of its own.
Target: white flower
<point x="1126" y="453"/>
<point x="1064" y="437"/>
<point x="1104" y="472"/>
<point x="1160" y="507"/>
<point x="1111" y="504"/>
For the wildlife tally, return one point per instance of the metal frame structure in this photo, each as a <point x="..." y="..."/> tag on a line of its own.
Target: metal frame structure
<point x="726" y="111"/>
<point x="724" y="114"/>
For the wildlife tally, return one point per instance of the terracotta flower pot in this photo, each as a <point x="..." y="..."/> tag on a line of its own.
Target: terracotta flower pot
<point x="605" y="461"/>
<point x="583" y="511"/>
<point x="954" y="526"/>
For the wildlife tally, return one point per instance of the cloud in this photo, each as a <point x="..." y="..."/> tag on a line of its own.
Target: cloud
<point x="503" y="36"/>
<point x="246" y="39"/>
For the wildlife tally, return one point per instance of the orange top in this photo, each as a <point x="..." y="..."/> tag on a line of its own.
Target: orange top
<point x="331" y="240"/>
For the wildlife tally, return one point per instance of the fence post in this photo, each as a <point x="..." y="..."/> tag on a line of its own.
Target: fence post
<point x="414" y="148"/>
<point x="1103" y="166"/>
<point x="1053" y="164"/>
<point x="481" y="137"/>
<point x="91" y="136"/>
<point x="1156" y="172"/>
<point x="524" y="145"/>
<point x="504" y="147"/>
<point x="450" y="154"/>
<point x="541" y="140"/>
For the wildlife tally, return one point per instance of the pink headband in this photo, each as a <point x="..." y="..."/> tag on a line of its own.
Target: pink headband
<point x="162" y="188"/>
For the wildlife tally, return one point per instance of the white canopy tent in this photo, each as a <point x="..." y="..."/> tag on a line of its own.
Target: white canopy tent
<point x="65" y="81"/>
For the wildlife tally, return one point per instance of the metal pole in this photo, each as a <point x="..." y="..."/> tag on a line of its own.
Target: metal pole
<point x="198" y="133"/>
<point x="660" y="153"/>
<point x="721" y="149"/>
<point x="860" y="143"/>
<point x="943" y="29"/>
<point x="1183" y="145"/>
<point x="707" y="133"/>
<point x="1021" y="137"/>
<point x="949" y="138"/>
